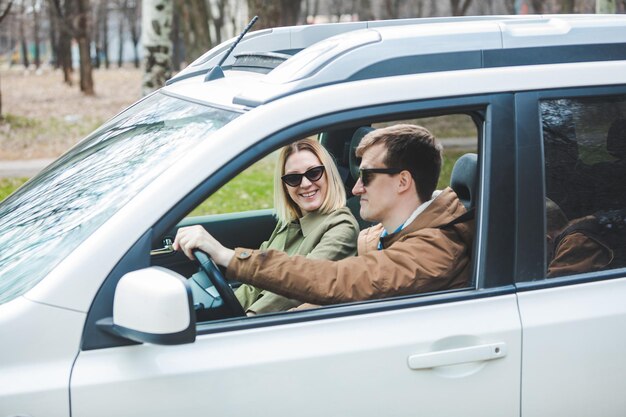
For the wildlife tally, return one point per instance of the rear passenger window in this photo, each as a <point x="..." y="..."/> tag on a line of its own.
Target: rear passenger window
<point x="585" y="181"/>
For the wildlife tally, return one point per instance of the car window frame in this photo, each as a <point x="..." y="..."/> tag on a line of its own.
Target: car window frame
<point x="531" y="250"/>
<point x="493" y="253"/>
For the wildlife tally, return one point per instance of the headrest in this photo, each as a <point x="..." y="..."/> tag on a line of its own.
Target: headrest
<point x="354" y="143"/>
<point x="463" y="179"/>
<point x="616" y="139"/>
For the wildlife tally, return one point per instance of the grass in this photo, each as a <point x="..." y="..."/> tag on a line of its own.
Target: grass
<point x="251" y="190"/>
<point x="8" y="185"/>
<point x="28" y="137"/>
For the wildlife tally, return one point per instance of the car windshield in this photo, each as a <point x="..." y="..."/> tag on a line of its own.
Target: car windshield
<point x="46" y="219"/>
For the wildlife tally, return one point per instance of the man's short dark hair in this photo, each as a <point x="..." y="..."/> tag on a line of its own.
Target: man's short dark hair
<point x="412" y="148"/>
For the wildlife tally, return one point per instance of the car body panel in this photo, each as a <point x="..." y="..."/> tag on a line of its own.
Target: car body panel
<point x="574" y="343"/>
<point x="354" y="365"/>
<point x="38" y="348"/>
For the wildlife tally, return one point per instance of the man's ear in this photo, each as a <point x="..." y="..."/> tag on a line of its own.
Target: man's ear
<point x="406" y="182"/>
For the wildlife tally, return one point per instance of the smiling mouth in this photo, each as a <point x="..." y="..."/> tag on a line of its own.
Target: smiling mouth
<point x="307" y="195"/>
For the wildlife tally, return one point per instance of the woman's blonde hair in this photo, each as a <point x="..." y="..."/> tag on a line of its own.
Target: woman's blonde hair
<point x="286" y="209"/>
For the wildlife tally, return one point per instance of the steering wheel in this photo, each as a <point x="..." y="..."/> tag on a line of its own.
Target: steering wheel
<point x="217" y="279"/>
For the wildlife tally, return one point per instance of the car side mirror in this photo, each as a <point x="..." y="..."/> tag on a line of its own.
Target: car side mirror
<point x="152" y="305"/>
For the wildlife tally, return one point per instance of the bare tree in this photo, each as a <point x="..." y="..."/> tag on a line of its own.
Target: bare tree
<point x="365" y="10"/>
<point x="194" y="21"/>
<point x="567" y="6"/>
<point x="392" y="9"/>
<point x="75" y="20"/>
<point x="36" y="37"/>
<point x="274" y="13"/>
<point x="459" y="7"/>
<point x="132" y="17"/>
<point x="83" y="37"/>
<point x="53" y="33"/>
<point x="101" y="34"/>
<point x="156" y="26"/>
<point x="120" y="31"/>
<point x="433" y="8"/>
<point x="4" y="11"/>
<point x="22" y="35"/>
<point x="538" y="6"/>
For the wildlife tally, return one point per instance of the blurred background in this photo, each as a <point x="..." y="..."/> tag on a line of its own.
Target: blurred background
<point x="66" y="66"/>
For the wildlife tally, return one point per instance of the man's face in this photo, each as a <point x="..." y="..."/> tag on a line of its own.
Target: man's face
<point x="379" y="196"/>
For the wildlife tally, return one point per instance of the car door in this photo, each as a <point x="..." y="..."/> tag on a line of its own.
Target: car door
<point x="571" y="296"/>
<point x="450" y="353"/>
<point x="454" y="358"/>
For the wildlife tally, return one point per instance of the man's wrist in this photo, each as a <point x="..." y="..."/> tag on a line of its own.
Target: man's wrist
<point x="225" y="256"/>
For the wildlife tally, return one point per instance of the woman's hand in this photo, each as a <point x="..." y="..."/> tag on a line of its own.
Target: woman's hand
<point x="195" y="237"/>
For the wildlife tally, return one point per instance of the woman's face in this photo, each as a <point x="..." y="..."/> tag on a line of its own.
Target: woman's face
<point x="309" y="196"/>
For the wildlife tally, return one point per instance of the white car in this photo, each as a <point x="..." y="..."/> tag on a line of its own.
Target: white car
<point x="98" y="318"/>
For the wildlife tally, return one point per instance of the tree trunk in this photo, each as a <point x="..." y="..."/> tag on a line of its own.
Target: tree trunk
<point x="36" y="39"/>
<point x="290" y="11"/>
<point x="120" y="34"/>
<point x="131" y="15"/>
<point x="195" y="26"/>
<point x="105" y="34"/>
<point x="23" y="41"/>
<point x="459" y="7"/>
<point x="53" y="28"/>
<point x="97" y="34"/>
<point x="218" y="21"/>
<point x="83" y="38"/>
<point x="538" y="6"/>
<point x="605" y="6"/>
<point x="268" y="12"/>
<point x="433" y="8"/>
<point x="65" y="41"/>
<point x="156" y="27"/>
<point x="567" y="6"/>
<point x="4" y="13"/>
<point x="178" y="49"/>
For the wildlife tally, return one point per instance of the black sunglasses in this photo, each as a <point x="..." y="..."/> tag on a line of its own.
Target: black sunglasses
<point x="313" y="174"/>
<point x="367" y="174"/>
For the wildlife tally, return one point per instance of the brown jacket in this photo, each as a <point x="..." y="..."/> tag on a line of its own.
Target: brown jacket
<point x="423" y="257"/>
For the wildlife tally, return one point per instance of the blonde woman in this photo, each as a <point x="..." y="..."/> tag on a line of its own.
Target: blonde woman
<point x="313" y="220"/>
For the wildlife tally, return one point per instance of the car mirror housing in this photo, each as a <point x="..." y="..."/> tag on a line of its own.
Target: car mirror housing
<point x="152" y="305"/>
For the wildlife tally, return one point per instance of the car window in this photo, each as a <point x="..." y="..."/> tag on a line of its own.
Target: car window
<point x="585" y="166"/>
<point x="252" y="189"/>
<point x="54" y="212"/>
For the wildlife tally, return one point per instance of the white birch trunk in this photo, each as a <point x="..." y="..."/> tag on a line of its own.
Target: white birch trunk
<point x="156" y="26"/>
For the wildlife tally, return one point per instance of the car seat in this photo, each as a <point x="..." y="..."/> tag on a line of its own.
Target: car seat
<point x="464" y="179"/>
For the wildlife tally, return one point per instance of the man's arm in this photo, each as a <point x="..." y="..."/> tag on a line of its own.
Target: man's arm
<point x="428" y="260"/>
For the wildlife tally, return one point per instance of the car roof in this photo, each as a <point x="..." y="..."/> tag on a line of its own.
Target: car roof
<point x="292" y="59"/>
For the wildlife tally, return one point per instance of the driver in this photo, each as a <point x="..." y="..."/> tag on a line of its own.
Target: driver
<point x="420" y="245"/>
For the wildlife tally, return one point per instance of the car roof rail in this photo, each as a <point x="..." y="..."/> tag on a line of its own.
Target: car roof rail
<point x="296" y="38"/>
<point x="443" y="46"/>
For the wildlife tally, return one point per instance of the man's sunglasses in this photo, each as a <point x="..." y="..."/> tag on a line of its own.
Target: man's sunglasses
<point x="367" y="174"/>
<point x="313" y="174"/>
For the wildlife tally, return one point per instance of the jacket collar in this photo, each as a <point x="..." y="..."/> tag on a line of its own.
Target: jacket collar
<point x="307" y="224"/>
<point x="444" y="208"/>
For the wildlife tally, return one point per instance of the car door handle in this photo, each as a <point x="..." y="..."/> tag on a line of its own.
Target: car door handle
<point x="457" y="356"/>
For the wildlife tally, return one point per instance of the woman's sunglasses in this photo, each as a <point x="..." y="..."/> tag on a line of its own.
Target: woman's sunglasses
<point x="367" y="174"/>
<point x="313" y="174"/>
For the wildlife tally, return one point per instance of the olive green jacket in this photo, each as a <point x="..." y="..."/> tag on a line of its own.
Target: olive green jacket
<point x="316" y="236"/>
